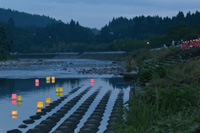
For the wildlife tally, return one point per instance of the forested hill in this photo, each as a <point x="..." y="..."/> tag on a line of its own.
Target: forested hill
<point x="121" y="34"/>
<point x="24" y="19"/>
<point x="146" y="27"/>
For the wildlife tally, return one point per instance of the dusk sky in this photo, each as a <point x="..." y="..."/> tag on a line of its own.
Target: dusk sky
<point x="97" y="13"/>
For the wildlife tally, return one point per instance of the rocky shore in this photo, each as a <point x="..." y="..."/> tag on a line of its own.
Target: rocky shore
<point x="63" y="68"/>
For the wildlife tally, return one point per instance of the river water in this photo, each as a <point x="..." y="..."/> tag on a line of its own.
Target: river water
<point x="22" y="83"/>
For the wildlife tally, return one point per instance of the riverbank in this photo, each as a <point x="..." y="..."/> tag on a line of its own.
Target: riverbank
<point x="60" y="68"/>
<point x="169" y="97"/>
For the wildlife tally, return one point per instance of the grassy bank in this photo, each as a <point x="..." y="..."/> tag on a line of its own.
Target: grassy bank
<point x="170" y="102"/>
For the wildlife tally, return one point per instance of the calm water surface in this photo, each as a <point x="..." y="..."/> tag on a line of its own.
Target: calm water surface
<point x="31" y="95"/>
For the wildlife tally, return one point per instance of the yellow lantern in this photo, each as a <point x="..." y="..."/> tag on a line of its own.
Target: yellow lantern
<point x="53" y="80"/>
<point x="40" y="105"/>
<point x="57" y="89"/>
<point x="61" y="89"/>
<point x="19" y="103"/>
<point x="39" y="110"/>
<point x="19" y="98"/>
<point x="48" y="80"/>
<point x="61" y="94"/>
<point x="48" y="100"/>
<point x="14" y="114"/>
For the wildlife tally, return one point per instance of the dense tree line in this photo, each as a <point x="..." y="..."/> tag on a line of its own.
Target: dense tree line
<point x="5" y="45"/>
<point x="120" y="34"/>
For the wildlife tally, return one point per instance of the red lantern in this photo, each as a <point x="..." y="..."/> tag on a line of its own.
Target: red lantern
<point x="14" y="96"/>
<point x="92" y="80"/>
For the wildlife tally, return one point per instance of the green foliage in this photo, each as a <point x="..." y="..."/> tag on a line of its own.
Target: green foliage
<point x="5" y="45"/>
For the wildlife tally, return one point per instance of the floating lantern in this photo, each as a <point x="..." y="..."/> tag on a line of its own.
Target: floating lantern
<point x="36" y="80"/>
<point x="48" y="80"/>
<point x="92" y="84"/>
<point x="92" y="80"/>
<point x="39" y="110"/>
<point x="59" y="94"/>
<point x="48" y="100"/>
<point x="14" y="102"/>
<point x="14" y="113"/>
<point x="19" y="103"/>
<point x="53" y="80"/>
<point x="59" y="89"/>
<point x="14" y="96"/>
<point x="40" y="105"/>
<point x="19" y="98"/>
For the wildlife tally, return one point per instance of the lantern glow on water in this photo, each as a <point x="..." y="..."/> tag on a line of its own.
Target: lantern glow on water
<point x="48" y="80"/>
<point x="14" y="102"/>
<point x="48" y="100"/>
<point x="14" y="96"/>
<point x="40" y="105"/>
<point x="59" y="89"/>
<point x="92" y="84"/>
<point x="14" y="114"/>
<point x="53" y="80"/>
<point x="59" y="94"/>
<point x="39" y="110"/>
<point x="19" y="103"/>
<point x="36" y="82"/>
<point x="14" y="117"/>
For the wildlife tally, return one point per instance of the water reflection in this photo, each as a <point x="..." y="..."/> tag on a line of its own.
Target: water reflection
<point x="44" y="93"/>
<point x="14" y="114"/>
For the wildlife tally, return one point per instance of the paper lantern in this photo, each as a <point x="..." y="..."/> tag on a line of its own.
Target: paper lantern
<point x="92" y="84"/>
<point x="19" y="98"/>
<point x="37" y="84"/>
<point x="61" y="89"/>
<point x="48" y="80"/>
<point x="39" y="110"/>
<point x="19" y="103"/>
<point x="14" y="102"/>
<point x="14" y="96"/>
<point x="40" y="105"/>
<point x="53" y="80"/>
<point x="14" y="113"/>
<point x="36" y="80"/>
<point x="61" y="94"/>
<point x="92" y="80"/>
<point x="48" y="100"/>
<point x="57" y="89"/>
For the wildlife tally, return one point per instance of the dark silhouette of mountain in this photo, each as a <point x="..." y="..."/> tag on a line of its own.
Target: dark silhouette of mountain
<point x="24" y="19"/>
